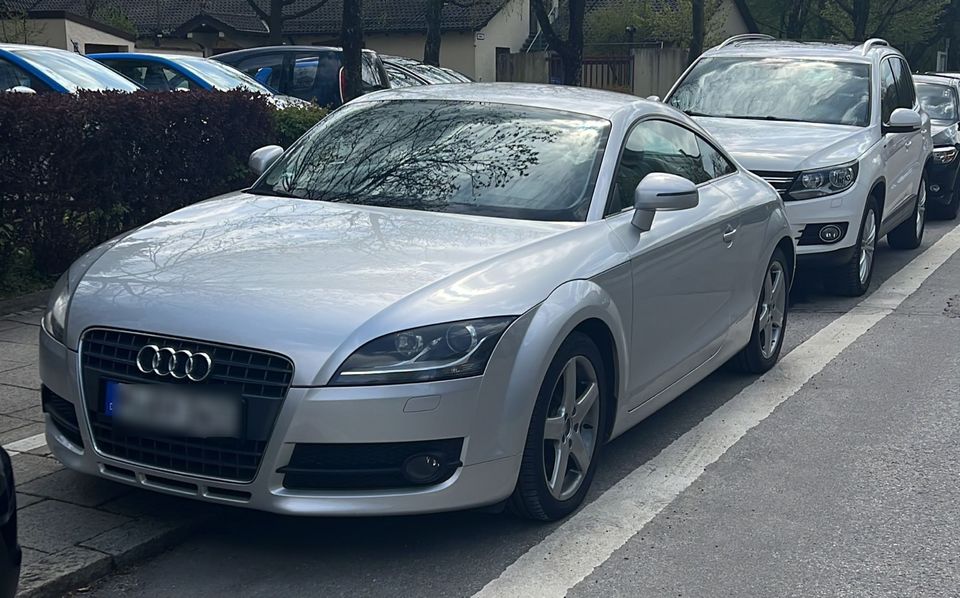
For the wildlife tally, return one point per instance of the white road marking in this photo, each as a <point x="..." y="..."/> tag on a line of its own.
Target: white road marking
<point x="25" y="445"/>
<point x="582" y="543"/>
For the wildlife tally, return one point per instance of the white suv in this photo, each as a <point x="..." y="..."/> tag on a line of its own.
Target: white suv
<point x="835" y="129"/>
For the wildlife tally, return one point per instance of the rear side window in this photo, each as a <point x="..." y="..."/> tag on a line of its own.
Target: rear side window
<point x="889" y="97"/>
<point x="316" y="77"/>
<point x="12" y="76"/>
<point x="267" y="69"/>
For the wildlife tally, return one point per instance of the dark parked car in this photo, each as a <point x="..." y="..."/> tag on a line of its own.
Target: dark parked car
<point x="311" y="73"/>
<point x="10" y="554"/>
<point x="939" y="94"/>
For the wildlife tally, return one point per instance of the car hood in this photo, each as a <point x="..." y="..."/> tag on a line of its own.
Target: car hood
<point x="761" y="145"/>
<point x="304" y="277"/>
<point x="944" y="132"/>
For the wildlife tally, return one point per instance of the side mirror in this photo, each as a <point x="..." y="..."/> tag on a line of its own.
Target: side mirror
<point x="659" y="191"/>
<point x="903" y="120"/>
<point x="263" y="158"/>
<point x="653" y="98"/>
<point x="22" y="89"/>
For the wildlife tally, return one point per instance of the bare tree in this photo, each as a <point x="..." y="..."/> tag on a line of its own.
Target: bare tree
<point x="699" y="31"/>
<point x="351" y="38"/>
<point x="275" y="18"/>
<point x="434" y="18"/>
<point x="570" y="49"/>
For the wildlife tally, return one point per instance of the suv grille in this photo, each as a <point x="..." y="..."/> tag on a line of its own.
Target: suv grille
<point x="261" y="380"/>
<point x="781" y="181"/>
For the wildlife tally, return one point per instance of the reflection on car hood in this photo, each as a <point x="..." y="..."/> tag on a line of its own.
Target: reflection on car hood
<point x="944" y="132"/>
<point x="762" y="145"/>
<point x="301" y="276"/>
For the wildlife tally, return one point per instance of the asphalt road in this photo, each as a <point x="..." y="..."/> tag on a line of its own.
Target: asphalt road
<point x="829" y="479"/>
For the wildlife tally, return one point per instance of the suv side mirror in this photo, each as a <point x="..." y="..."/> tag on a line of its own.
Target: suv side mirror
<point x="22" y="89"/>
<point x="263" y="158"/>
<point x="903" y="120"/>
<point x="659" y="191"/>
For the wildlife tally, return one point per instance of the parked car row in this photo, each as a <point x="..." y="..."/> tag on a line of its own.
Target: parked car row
<point x="288" y="75"/>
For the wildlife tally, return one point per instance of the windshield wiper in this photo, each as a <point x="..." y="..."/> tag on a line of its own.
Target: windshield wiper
<point x="763" y="117"/>
<point x="273" y="192"/>
<point x="695" y="113"/>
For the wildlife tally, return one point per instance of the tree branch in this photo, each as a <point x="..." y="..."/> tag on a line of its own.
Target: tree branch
<point x="543" y="17"/>
<point x="260" y="12"/>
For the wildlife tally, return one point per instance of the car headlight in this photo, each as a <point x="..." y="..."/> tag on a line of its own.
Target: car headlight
<point x="827" y="181"/>
<point x="440" y="352"/>
<point x="55" y="318"/>
<point x="944" y="155"/>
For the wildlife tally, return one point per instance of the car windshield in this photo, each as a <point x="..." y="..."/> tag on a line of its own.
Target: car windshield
<point x="221" y="76"/>
<point x="447" y="156"/>
<point x="816" y="91"/>
<point x="74" y="71"/>
<point x="938" y="101"/>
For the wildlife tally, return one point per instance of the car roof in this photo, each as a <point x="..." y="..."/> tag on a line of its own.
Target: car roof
<point x="938" y="79"/>
<point x="756" y="46"/>
<point x="582" y="100"/>
<point x="274" y="49"/>
<point x="15" y="47"/>
<point x="148" y="55"/>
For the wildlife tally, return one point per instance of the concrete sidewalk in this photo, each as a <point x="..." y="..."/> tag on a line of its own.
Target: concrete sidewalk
<point x="73" y="528"/>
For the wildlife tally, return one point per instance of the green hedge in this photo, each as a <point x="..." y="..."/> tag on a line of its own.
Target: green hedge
<point x="76" y="170"/>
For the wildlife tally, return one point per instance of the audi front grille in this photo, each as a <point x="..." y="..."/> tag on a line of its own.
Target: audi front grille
<point x="259" y="379"/>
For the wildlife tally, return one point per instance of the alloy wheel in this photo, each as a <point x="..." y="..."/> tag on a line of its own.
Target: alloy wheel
<point x="868" y="244"/>
<point x="570" y="431"/>
<point x="773" y="310"/>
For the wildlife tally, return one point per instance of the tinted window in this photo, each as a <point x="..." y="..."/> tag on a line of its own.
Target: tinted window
<point x="12" y="75"/>
<point x="265" y="69"/>
<point x="152" y="75"/>
<point x="316" y="77"/>
<point x="777" y="89"/>
<point x="659" y="146"/>
<point x="939" y="101"/>
<point x="906" y="92"/>
<point x="463" y="157"/>
<point x="76" y="72"/>
<point x="889" y="98"/>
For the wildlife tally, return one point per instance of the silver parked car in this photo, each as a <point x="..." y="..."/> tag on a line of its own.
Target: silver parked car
<point x="440" y="297"/>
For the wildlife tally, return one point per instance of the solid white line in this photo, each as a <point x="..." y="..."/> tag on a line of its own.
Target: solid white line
<point x="27" y="444"/>
<point x="582" y="543"/>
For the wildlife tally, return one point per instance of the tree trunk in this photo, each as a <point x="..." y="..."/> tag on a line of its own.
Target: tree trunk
<point x="696" y="41"/>
<point x="796" y="16"/>
<point x="861" y="16"/>
<point x="572" y="57"/>
<point x="275" y="22"/>
<point x="431" y="50"/>
<point x="352" y="42"/>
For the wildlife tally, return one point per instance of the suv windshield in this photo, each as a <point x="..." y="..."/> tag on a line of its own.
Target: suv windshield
<point x="221" y="76"/>
<point x="816" y="91"/>
<point x="447" y="156"/>
<point x="76" y="72"/>
<point x="938" y="101"/>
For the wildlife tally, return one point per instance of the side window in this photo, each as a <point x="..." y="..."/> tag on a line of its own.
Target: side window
<point x="714" y="163"/>
<point x="907" y="92"/>
<point x="316" y="77"/>
<point x="889" y="98"/>
<point x="267" y="69"/>
<point x="178" y="81"/>
<point x="370" y="73"/>
<point x="658" y="146"/>
<point x="12" y="76"/>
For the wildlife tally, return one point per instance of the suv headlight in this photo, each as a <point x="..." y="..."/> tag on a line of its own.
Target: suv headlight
<point x="440" y="352"/>
<point x="944" y="155"/>
<point x="827" y="181"/>
<point x="55" y="318"/>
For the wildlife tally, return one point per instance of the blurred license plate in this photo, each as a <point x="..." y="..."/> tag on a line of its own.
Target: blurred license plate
<point x="173" y="409"/>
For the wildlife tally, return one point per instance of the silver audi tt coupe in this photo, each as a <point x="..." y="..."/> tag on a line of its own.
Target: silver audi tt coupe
<point x="439" y="298"/>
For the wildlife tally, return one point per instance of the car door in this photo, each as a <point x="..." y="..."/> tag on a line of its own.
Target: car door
<point x="914" y="151"/>
<point x="896" y="153"/>
<point x="682" y="268"/>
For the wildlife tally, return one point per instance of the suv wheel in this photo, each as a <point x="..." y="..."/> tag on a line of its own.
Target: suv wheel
<point x="909" y="234"/>
<point x="853" y="278"/>
<point x="565" y="434"/>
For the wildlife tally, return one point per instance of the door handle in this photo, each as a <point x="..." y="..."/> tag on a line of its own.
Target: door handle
<point x="729" y="234"/>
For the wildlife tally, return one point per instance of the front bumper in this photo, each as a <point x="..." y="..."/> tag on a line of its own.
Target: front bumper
<point x="942" y="181"/>
<point x="398" y="413"/>
<point x="842" y="209"/>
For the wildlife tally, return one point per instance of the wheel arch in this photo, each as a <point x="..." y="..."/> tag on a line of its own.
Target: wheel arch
<point x="878" y="191"/>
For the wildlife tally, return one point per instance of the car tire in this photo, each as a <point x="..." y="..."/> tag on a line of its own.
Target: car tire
<point x="949" y="211"/>
<point x="576" y="418"/>
<point x="852" y="279"/>
<point x="909" y="233"/>
<point x="770" y="321"/>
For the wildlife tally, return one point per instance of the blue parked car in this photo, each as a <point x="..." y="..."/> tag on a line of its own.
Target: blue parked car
<point x="37" y="69"/>
<point x="176" y="72"/>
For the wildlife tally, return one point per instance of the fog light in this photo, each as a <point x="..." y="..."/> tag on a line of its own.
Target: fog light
<point x="830" y="233"/>
<point x="935" y="188"/>
<point x="422" y="468"/>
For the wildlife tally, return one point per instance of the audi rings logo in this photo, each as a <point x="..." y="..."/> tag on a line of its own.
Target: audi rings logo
<point x="164" y="361"/>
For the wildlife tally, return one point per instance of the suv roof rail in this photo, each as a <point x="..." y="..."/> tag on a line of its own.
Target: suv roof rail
<point x="745" y="37"/>
<point x="871" y="43"/>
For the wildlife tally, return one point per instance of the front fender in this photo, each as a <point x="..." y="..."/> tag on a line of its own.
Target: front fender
<point x="518" y="366"/>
